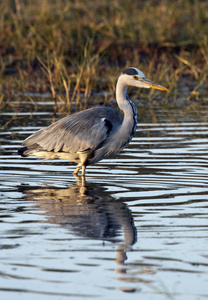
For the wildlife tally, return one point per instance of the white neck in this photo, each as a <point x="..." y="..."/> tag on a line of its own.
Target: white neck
<point x="121" y="93"/>
<point x="127" y="106"/>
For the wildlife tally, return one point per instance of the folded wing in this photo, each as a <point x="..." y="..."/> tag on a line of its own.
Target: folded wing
<point x="79" y="132"/>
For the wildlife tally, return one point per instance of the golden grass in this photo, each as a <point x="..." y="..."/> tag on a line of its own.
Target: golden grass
<point x="72" y="48"/>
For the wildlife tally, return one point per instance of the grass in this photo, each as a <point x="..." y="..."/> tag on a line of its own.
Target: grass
<point x="74" y="48"/>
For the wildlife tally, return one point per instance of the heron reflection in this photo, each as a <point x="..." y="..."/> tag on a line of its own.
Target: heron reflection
<point x="88" y="211"/>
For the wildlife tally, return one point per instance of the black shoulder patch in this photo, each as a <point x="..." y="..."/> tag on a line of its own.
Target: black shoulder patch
<point x="22" y="150"/>
<point x="130" y="71"/>
<point x="108" y="125"/>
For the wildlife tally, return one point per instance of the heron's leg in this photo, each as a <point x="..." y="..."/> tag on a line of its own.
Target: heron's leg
<point x="77" y="170"/>
<point x="80" y="180"/>
<point x="83" y="170"/>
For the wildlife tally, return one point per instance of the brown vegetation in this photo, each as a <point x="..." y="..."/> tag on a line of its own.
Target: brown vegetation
<point x="73" y="48"/>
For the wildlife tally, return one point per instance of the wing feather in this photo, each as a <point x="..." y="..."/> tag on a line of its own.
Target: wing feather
<point x="79" y="132"/>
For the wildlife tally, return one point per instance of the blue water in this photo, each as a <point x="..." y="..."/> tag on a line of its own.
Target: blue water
<point x="136" y="229"/>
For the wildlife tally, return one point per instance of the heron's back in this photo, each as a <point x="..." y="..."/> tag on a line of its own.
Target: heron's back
<point x="80" y="132"/>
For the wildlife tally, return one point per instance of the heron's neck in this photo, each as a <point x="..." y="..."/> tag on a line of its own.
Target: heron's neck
<point x="128" y="126"/>
<point x="121" y="94"/>
<point x="124" y="103"/>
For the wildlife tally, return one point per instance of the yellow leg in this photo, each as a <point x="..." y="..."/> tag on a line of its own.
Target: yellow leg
<point x="83" y="170"/>
<point x="77" y="170"/>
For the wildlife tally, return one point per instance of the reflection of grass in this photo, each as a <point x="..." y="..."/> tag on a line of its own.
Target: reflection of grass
<point x="74" y="46"/>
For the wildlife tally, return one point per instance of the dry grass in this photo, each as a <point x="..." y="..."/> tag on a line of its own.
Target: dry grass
<point x="72" y="48"/>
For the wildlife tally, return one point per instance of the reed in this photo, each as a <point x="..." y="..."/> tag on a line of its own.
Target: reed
<point x="73" y="48"/>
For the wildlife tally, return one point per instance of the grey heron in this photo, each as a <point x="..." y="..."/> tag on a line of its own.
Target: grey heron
<point x="93" y="134"/>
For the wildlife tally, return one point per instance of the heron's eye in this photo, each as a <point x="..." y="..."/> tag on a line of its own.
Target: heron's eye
<point x="137" y="78"/>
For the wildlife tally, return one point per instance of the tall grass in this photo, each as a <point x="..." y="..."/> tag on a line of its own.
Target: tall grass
<point x="72" y="48"/>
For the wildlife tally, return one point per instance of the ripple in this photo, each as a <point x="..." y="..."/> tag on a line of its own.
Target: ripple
<point x="138" y="225"/>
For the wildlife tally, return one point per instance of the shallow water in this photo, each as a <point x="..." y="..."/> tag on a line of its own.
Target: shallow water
<point x="137" y="229"/>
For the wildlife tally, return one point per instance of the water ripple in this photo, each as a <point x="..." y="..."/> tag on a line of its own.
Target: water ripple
<point x="138" y="225"/>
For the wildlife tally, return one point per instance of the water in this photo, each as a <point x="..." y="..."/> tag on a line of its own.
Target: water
<point x="136" y="230"/>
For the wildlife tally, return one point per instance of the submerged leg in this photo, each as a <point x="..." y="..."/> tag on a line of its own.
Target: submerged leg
<point x="82" y="163"/>
<point x="83" y="170"/>
<point x="77" y="170"/>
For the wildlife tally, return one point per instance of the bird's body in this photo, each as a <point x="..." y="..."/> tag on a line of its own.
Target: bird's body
<point x="93" y="134"/>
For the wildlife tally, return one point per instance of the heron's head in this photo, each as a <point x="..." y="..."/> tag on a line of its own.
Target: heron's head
<point x="134" y="77"/>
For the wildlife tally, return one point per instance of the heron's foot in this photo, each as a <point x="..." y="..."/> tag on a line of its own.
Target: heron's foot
<point x="83" y="170"/>
<point x="77" y="170"/>
<point x="81" y="180"/>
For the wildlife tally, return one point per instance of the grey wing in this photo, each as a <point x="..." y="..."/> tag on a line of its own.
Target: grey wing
<point x="79" y="132"/>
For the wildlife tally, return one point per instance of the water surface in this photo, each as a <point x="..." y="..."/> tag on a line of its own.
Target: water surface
<point x="137" y="229"/>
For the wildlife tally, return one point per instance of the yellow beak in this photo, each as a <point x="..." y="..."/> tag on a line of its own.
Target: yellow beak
<point x="154" y="85"/>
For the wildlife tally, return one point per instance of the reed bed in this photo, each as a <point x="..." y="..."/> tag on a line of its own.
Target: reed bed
<point x="74" y="49"/>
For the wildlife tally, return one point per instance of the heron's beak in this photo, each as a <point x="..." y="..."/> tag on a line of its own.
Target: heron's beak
<point x="151" y="84"/>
